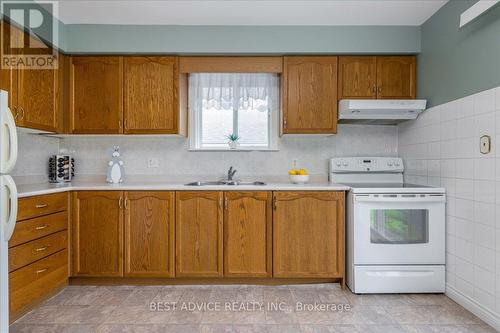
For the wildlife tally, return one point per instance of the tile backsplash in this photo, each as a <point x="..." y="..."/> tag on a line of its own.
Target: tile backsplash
<point x="442" y="148"/>
<point x="34" y="152"/>
<point x="176" y="162"/>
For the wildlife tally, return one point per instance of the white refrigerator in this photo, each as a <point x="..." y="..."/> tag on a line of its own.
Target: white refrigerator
<point x="8" y="202"/>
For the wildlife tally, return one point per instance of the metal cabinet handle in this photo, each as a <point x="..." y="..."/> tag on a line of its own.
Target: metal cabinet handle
<point x="126" y="203"/>
<point x="275" y="203"/>
<point x="16" y="112"/>
<point x="39" y="206"/>
<point x="374" y="89"/>
<point x="380" y="89"/>
<point x="284" y="123"/>
<point x="120" y="203"/>
<point x="41" y="249"/>
<point x="225" y="203"/>
<point x="22" y="112"/>
<point x="41" y="227"/>
<point x="40" y="271"/>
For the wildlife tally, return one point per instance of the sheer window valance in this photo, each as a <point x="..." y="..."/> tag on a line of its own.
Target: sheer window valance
<point x="229" y="90"/>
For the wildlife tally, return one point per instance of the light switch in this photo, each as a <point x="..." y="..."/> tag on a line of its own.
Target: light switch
<point x="485" y="144"/>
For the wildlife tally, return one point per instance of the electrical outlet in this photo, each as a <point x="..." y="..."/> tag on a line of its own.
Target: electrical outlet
<point x="295" y="162"/>
<point x="153" y="163"/>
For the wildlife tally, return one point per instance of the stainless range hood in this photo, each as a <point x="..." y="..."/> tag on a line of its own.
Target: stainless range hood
<point x="379" y="111"/>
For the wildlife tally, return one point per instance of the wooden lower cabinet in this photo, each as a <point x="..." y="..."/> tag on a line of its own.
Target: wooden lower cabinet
<point x="97" y="234"/>
<point x="33" y="283"/>
<point x="149" y="234"/>
<point x="208" y="234"/>
<point x="247" y="234"/>
<point x="199" y="221"/>
<point x="308" y="234"/>
<point x="38" y="252"/>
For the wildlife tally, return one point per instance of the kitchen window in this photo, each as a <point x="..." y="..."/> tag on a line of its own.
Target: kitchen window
<point x="244" y="104"/>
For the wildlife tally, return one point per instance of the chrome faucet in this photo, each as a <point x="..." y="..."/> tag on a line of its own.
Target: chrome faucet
<point x="230" y="173"/>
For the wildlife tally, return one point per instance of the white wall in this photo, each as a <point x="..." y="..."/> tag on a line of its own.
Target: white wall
<point x="312" y="153"/>
<point x="441" y="147"/>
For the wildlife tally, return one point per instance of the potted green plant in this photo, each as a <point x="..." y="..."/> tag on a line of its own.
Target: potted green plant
<point x="233" y="141"/>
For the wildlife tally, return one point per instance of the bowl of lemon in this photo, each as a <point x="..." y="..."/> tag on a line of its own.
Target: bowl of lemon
<point x="298" y="176"/>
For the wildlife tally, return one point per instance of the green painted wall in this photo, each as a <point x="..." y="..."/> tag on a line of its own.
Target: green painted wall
<point x="455" y="62"/>
<point x="241" y="39"/>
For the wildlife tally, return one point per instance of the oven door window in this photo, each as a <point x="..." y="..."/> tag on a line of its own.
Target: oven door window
<point x="399" y="226"/>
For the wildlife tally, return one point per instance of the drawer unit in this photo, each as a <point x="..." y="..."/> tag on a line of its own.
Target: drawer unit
<point x="39" y="227"/>
<point x="34" y="282"/>
<point x="28" y="253"/>
<point x="32" y="207"/>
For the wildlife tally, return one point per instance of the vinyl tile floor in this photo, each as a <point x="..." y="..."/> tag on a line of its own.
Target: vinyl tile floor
<point x="316" y="308"/>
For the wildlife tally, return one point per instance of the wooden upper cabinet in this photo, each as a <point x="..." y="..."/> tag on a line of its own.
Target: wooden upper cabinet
<point x="33" y="93"/>
<point x="396" y="77"/>
<point x="198" y="230"/>
<point x="8" y="82"/>
<point x="96" y="95"/>
<point x="149" y="234"/>
<point x="248" y="234"/>
<point x="308" y="234"/>
<point x="8" y="76"/>
<point x="357" y="77"/>
<point x="97" y="233"/>
<point x="38" y="99"/>
<point x="151" y="95"/>
<point x="309" y="95"/>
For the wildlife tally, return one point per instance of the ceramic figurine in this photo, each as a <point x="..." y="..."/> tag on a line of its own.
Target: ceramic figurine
<point x="115" y="168"/>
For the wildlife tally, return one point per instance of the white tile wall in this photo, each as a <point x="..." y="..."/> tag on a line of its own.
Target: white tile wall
<point x="311" y="153"/>
<point x="442" y="147"/>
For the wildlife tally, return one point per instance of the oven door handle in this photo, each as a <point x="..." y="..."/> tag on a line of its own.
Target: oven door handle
<point x="399" y="199"/>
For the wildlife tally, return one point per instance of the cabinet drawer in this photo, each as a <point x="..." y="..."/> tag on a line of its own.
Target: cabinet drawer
<point x="30" y="284"/>
<point x="25" y="254"/>
<point x="42" y="205"/>
<point x="39" y="227"/>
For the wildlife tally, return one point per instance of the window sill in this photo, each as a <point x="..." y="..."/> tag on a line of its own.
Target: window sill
<point x="237" y="150"/>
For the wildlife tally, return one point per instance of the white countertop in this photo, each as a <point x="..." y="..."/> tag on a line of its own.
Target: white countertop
<point x="48" y="188"/>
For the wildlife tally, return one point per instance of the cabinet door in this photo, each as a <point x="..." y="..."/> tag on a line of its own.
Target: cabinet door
<point x="199" y="234"/>
<point x="247" y="234"/>
<point x="396" y="77"/>
<point x="97" y="233"/>
<point x="151" y="99"/>
<point x="96" y="95"/>
<point x="8" y="76"/>
<point x="37" y="99"/>
<point x="149" y="234"/>
<point x="308" y="234"/>
<point x="309" y="95"/>
<point x="8" y="82"/>
<point x="357" y="77"/>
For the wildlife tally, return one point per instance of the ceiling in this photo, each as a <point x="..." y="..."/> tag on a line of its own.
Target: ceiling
<point x="249" y="12"/>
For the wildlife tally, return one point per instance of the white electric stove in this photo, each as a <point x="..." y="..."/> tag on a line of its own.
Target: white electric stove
<point x="395" y="233"/>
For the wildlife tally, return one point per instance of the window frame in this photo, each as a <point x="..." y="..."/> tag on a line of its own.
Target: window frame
<point x="195" y="128"/>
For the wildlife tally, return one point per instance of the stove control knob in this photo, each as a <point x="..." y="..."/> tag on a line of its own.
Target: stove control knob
<point x="397" y="164"/>
<point x="390" y="163"/>
<point x="338" y="163"/>
<point x="345" y="164"/>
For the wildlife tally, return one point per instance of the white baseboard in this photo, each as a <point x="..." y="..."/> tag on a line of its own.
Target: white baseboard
<point x="480" y="311"/>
